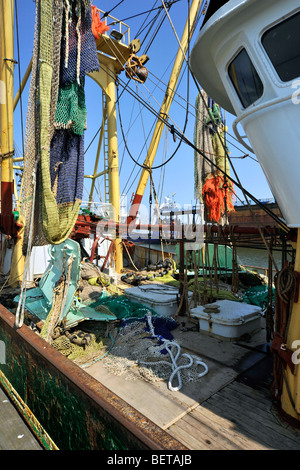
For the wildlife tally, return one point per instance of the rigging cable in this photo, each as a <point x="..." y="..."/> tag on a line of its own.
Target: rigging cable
<point x="143" y="13"/>
<point x="172" y="126"/>
<point x="129" y="153"/>
<point x="182" y="136"/>
<point x="129" y="127"/>
<point x="225" y="149"/>
<point x="112" y="9"/>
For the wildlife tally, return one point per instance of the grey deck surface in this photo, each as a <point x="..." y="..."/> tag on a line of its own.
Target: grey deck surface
<point x="230" y="409"/>
<point x="14" y="434"/>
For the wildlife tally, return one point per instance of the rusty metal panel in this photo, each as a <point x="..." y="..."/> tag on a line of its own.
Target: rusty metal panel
<point x="75" y="409"/>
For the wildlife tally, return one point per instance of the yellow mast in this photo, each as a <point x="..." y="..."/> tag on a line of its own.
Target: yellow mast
<point x="7" y="106"/>
<point x="95" y="174"/>
<point x="113" y="55"/>
<point x="164" y="111"/>
<point x="6" y="113"/>
<point x="290" y="400"/>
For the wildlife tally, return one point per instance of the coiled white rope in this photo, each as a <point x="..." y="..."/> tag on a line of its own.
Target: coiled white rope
<point x="168" y="345"/>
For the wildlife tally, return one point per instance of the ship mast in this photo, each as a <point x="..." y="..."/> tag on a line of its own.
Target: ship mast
<point x="114" y="51"/>
<point x="6" y="114"/>
<point x="165" y="108"/>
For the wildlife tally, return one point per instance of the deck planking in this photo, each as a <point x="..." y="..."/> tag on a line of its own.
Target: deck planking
<point x="236" y="418"/>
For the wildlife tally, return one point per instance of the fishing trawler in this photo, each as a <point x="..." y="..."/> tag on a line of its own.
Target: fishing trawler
<point x="219" y="346"/>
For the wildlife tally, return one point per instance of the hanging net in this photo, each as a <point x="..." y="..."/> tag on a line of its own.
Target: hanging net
<point x="71" y="109"/>
<point x="78" y="46"/>
<point x="203" y="142"/>
<point x="211" y="185"/>
<point x="64" y="52"/>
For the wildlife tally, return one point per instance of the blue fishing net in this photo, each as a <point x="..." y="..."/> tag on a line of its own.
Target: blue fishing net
<point x="162" y="328"/>
<point x="67" y="166"/>
<point x="67" y="145"/>
<point x="83" y="43"/>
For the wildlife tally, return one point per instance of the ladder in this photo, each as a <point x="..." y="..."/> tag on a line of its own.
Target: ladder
<point x="105" y="152"/>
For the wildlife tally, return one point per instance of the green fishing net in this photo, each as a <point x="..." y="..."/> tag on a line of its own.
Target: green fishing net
<point x="71" y="109"/>
<point x="122" y="307"/>
<point x="258" y="295"/>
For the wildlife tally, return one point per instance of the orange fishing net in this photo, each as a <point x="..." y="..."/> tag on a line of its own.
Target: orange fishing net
<point x="98" y="26"/>
<point x="217" y="196"/>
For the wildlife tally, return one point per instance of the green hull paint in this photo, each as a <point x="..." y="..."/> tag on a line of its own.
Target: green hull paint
<point x="76" y="410"/>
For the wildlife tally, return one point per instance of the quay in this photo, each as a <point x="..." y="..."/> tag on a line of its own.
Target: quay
<point x="14" y="433"/>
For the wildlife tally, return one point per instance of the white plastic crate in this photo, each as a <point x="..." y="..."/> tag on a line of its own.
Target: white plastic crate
<point x="231" y="321"/>
<point x="162" y="299"/>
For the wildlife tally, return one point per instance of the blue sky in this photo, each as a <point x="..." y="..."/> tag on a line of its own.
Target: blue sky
<point x="178" y="175"/>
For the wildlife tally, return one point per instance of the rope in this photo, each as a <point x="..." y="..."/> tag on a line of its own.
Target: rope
<point x="286" y="282"/>
<point x="66" y="287"/>
<point x="67" y="7"/>
<point x="175" y="368"/>
<point x="78" y="48"/>
<point x="124" y="244"/>
<point x="53" y="316"/>
<point x="19" y="320"/>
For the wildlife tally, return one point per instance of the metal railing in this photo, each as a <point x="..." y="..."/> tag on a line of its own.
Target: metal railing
<point x="121" y="27"/>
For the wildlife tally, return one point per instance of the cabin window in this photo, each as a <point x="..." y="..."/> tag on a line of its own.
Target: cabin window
<point x="245" y="79"/>
<point x="282" y="44"/>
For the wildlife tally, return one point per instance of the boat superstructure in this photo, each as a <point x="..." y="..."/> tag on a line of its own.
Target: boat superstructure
<point x="250" y="49"/>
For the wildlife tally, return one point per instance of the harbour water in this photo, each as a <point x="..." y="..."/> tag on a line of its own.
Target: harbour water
<point x="258" y="257"/>
<point x="249" y="257"/>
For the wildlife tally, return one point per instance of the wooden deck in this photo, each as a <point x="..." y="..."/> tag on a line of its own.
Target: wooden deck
<point x="235" y="418"/>
<point x="230" y="408"/>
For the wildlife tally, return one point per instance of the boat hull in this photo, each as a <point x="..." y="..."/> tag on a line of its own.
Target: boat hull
<point x="75" y="409"/>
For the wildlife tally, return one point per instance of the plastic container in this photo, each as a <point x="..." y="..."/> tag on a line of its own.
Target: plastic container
<point x="231" y="321"/>
<point x="162" y="299"/>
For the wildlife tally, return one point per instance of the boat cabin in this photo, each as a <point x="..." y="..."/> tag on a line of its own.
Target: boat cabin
<point x="247" y="58"/>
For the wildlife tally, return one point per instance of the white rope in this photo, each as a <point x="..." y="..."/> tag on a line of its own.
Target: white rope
<point x="168" y="345"/>
<point x="66" y="287"/>
<point x="67" y="7"/>
<point x="19" y="320"/>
